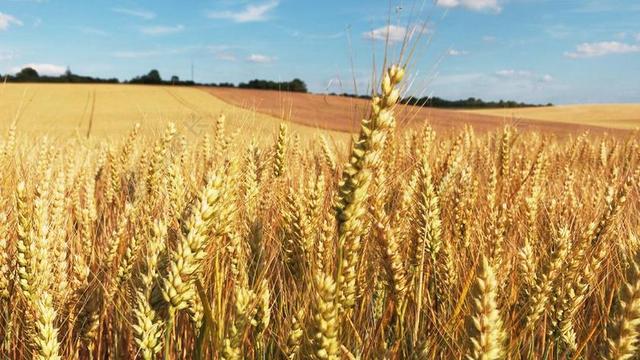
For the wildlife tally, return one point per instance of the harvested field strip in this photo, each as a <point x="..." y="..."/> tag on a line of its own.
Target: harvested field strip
<point x="344" y="113"/>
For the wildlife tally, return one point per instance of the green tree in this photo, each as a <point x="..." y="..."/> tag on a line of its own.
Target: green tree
<point x="297" y="85"/>
<point x="154" y="77"/>
<point x="28" y="73"/>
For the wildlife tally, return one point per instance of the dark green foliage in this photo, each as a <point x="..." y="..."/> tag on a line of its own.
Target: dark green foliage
<point x="295" y="85"/>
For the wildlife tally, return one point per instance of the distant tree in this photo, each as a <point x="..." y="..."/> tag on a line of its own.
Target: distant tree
<point x="68" y="75"/>
<point x="154" y="77"/>
<point x="175" y="79"/>
<point x="28" y="73"/>
<point x="297" y="85"/>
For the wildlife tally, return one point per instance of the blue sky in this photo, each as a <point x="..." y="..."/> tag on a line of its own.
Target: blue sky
<point x="560" y="51"/>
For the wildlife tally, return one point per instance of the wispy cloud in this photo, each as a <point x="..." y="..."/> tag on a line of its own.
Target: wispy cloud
<point x="311" y="36"/>
<point x="6" y="55"/>
<point x="454" y="52"/>
<point x="475" y="5"/>
<point x="558" y="31"/>
<point x="7" y="20"/>
<point x="136" y="54"/>
<point x="621" y="35"/>
<point x="260" y="59"/>
<point x="599" y="6"/>
<point x="393" y="32"/>
<point x="595" y="49"/>
<point x="547" y="78"/>
<point x="489" y="38"/>
<point x="222" y="52"/>
<point x="42" y="69"/>
<point x="161" y="30"/>
<point x="638" y="37"/>
<point x="510" y="73"/>
<point x="250" y="13"/>
<point x="139" y="13"/>
<point x="139" y="54"/>
<point x="225" y="56"/>
<point x="92" y="31"/>
<point x="523" y="75"/>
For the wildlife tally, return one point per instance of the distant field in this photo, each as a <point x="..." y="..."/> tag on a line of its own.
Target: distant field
<point x="343" y="113"/>
<point x="111" y="110"/>
<point x="620" y="116"/>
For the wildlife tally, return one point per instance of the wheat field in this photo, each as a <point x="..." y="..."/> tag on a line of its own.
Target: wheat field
<point x="620" y="116"/>
<point x="405" y="244"/>
<point x="108" y="111"/>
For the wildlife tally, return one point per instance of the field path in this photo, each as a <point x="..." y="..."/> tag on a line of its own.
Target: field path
<point x="91" y="112"/>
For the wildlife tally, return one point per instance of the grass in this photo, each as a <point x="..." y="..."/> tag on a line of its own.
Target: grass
<point x="619" y="116"/>
<point x="407" y="243"/>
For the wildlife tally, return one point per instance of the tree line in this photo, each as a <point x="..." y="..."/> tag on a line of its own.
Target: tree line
<point x="153" y="77"/>
<point x="29" y="74"/>
<point x="295" y="85"/>
<point x="469" y="103"/>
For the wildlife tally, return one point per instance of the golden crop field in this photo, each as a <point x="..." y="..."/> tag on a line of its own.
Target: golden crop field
<point x="108" y="111"/>
<point x="620" y="116"/>
<point x="404" y="244"/>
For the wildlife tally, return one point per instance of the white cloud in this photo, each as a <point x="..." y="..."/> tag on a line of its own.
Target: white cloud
<point x="162" y="30"/>
<point x="475" y="5"/>
<point x="547" y="78"/>
<point x="454" y="52"/>
<point x="587" y="50"/>
<point x="250" y="13"/>
<point x="260" y="59"/>
<point x="143" y="14"/>
<point x="393" y="33"/>
<point x="42" y="69"/>
<point x="7" y="20"/>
